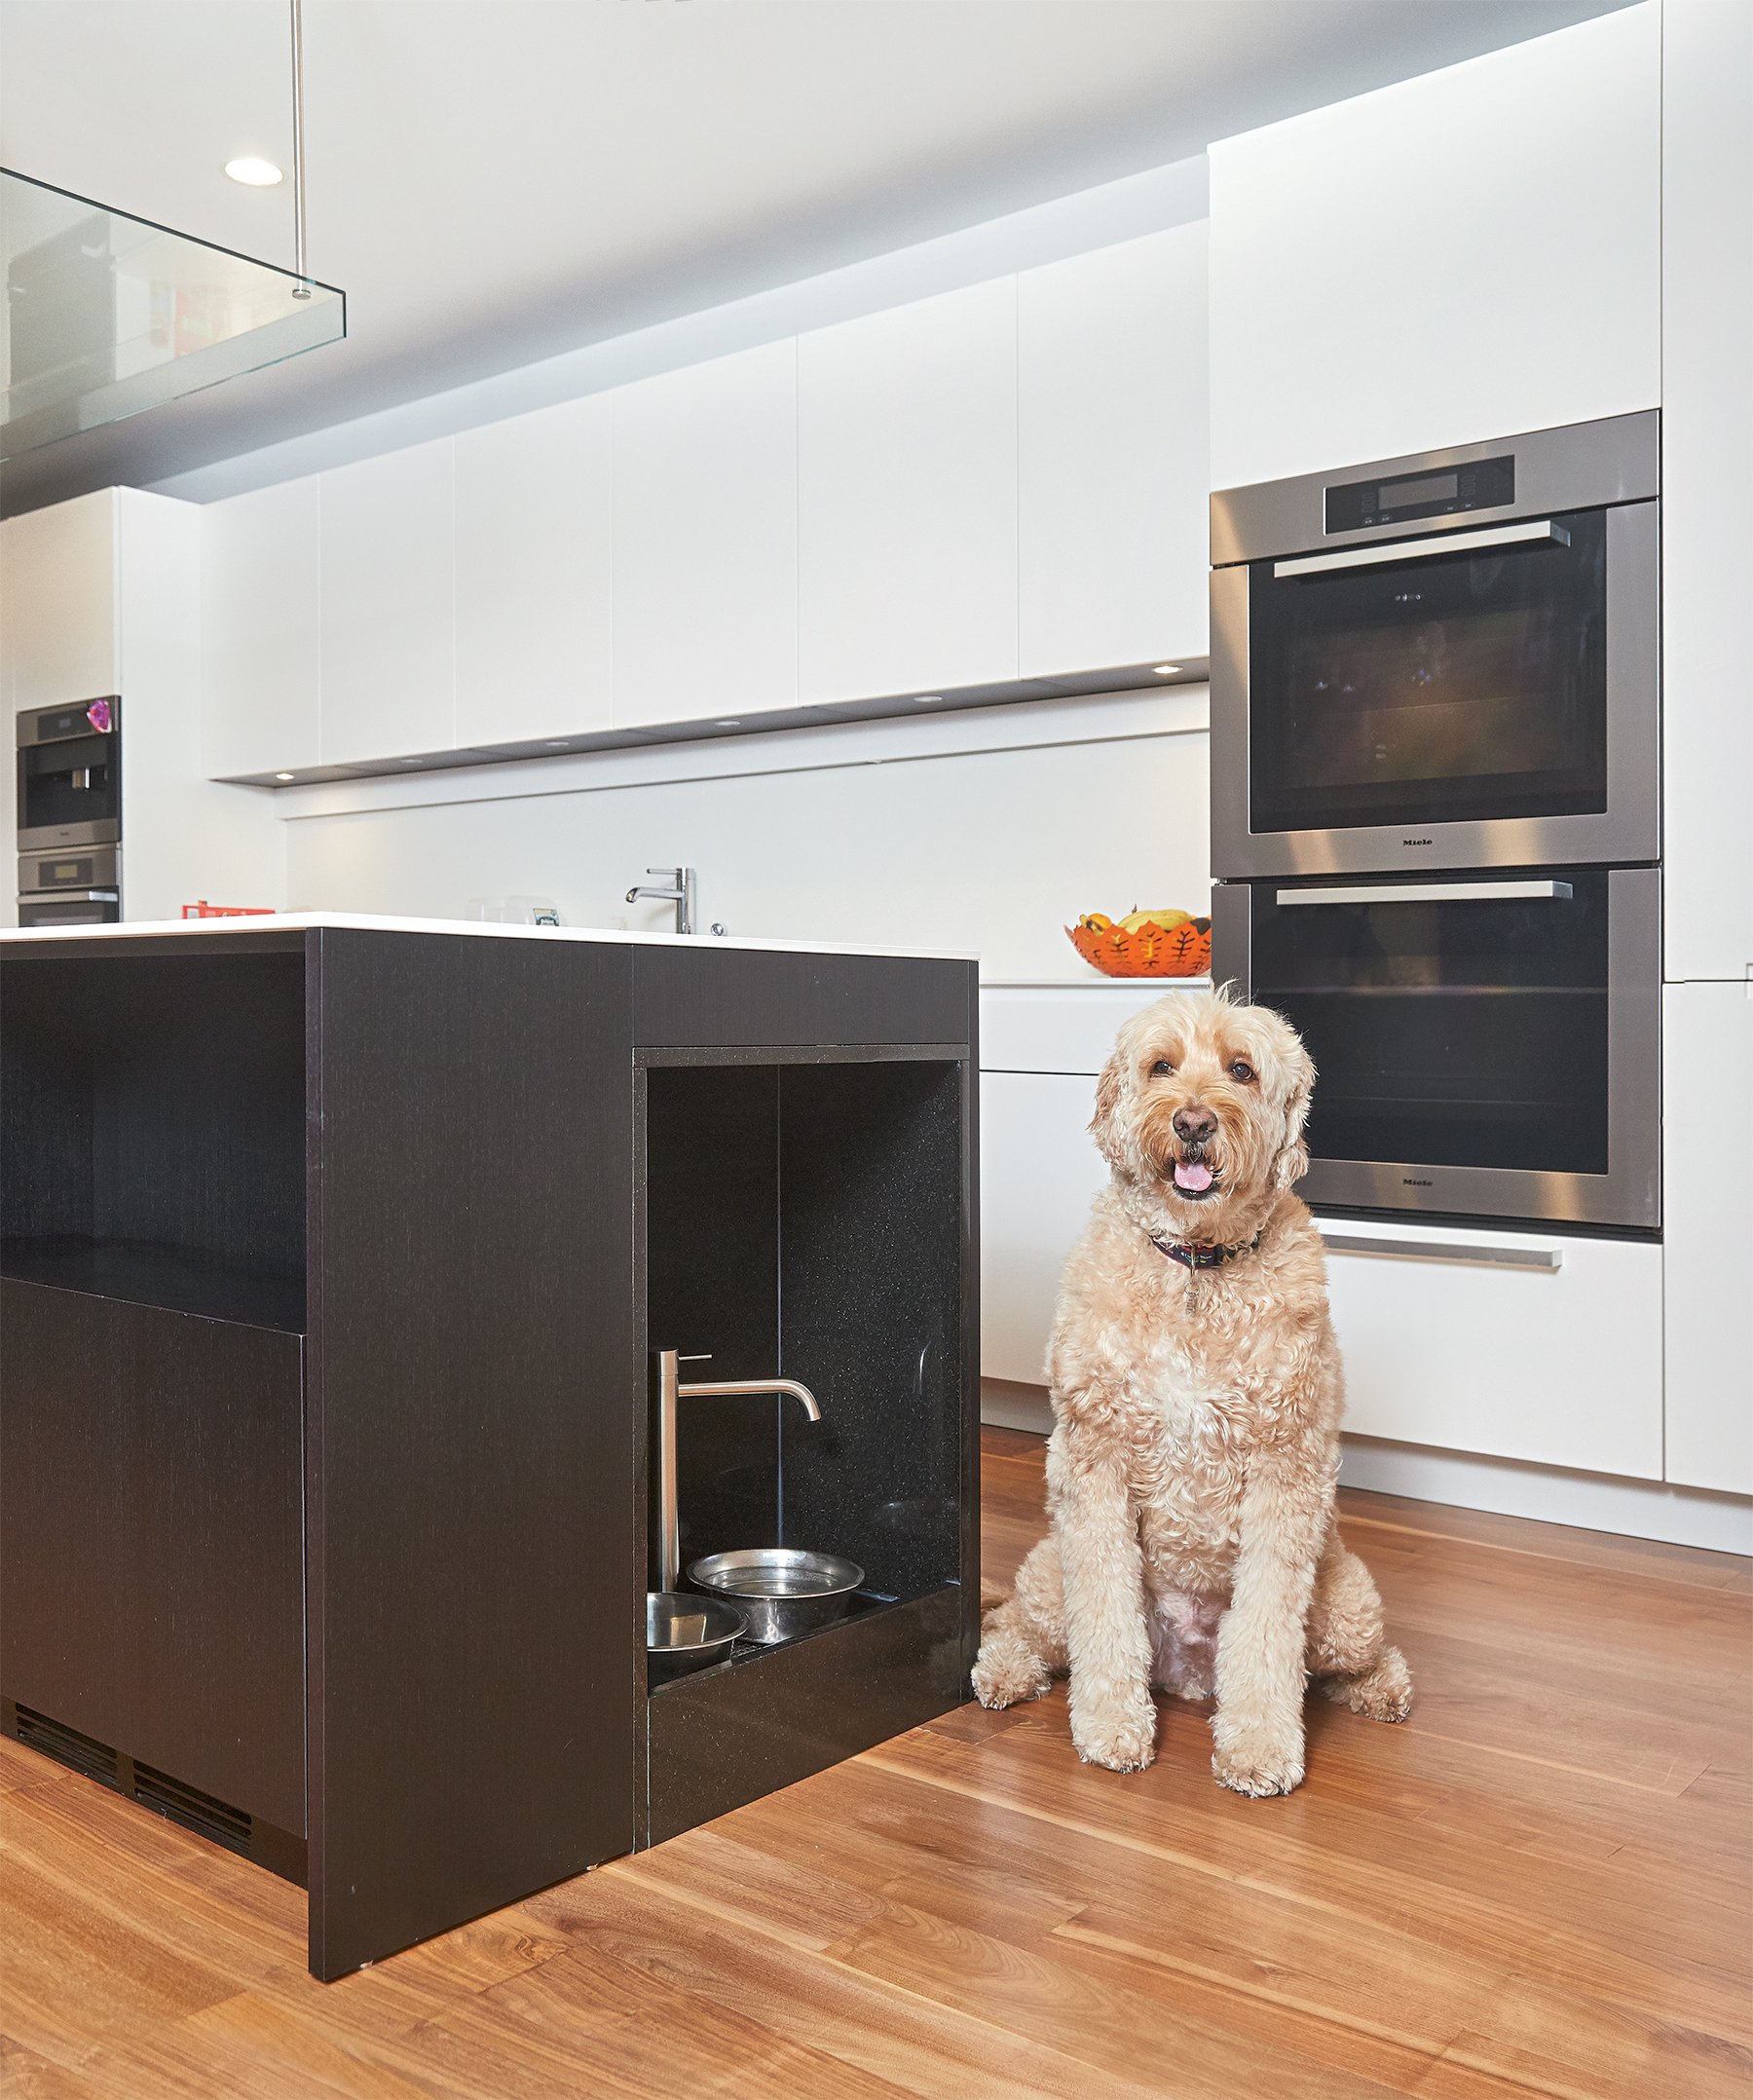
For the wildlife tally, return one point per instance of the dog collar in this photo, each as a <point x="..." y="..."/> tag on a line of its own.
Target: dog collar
<point x="1200" y="1255"/>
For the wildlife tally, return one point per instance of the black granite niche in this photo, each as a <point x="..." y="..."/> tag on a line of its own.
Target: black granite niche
<point x="806" y="1219"/>
<point x="808" y="1215"/>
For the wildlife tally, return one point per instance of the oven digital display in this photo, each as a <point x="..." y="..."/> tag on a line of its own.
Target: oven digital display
<point x="1475" y="485"/>
<point x="1424" y="489"/>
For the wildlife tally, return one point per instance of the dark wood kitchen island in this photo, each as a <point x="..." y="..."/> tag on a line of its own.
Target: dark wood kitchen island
<point x="337" y="1252"/>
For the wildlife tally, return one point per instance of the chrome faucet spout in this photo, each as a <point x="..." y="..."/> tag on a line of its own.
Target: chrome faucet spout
<point x="680" y="894"/>
<point x="801" y="1393"/>
<point x="671" y="1390"/>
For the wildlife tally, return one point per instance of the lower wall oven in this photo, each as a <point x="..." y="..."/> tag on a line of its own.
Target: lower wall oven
<point x="1487" y="1045"/>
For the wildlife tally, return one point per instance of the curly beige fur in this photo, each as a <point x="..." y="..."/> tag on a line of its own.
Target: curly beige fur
<point x="1196" y="1442"/>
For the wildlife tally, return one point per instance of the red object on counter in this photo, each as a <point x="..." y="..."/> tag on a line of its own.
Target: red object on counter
<point x="204" y="910"/>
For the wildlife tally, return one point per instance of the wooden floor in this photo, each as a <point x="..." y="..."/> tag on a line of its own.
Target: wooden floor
<point x="1539" y="1884"/>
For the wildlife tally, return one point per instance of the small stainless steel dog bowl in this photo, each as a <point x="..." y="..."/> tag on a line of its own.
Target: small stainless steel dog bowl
<point x="686" y="1632"/>
<point x="783" y="1590"/>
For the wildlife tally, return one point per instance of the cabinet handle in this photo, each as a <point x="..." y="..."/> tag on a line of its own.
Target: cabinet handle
<point x="1424" y="892"/>
<point x="1449" y="542"/>
<point x="1549" y="1259"/>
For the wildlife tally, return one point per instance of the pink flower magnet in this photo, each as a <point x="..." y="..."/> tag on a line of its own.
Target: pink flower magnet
<point x="99" y="715"/>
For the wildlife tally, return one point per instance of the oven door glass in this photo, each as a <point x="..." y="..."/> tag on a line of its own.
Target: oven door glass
<point x="75" y="910"/>
<point x="1441" y="688"/>
<point x="1462" y="1026"/>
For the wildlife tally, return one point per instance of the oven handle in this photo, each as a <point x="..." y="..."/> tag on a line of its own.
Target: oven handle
<point x="1549" y="1259"/>
<point x="1449" y="542"/>
<point x="1425" y="893"/>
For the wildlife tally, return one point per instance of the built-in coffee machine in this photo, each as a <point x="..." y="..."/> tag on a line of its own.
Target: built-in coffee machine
<point x="71" y="814"/>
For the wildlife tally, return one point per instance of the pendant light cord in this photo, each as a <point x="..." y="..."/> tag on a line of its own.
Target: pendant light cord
<point x="302" y="290"/>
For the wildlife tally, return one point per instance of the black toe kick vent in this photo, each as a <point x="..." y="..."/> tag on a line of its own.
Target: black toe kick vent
<point x="204" y="1813"/>
<point x="54" y="1738"/>
<point x="280" y="1852"/>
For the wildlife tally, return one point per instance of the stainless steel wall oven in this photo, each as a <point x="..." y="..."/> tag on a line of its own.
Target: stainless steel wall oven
<point x="1487" y="1044"/>
<point x="1445" y="660"/>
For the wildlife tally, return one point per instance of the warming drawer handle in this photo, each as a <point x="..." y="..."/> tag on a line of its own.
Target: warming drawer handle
<point x="1449" y="542"/>
<point x="1426" y="893"/>
<point x="1549" y="1259"/>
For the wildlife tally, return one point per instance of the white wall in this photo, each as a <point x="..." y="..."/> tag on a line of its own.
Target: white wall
<point x="989" y="830"/>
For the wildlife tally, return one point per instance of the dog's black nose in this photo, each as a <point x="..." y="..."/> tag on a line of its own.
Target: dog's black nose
<point x="1194" y="1125"/>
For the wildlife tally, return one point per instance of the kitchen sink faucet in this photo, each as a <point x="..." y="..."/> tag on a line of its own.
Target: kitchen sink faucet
<point x="680" y="893"/>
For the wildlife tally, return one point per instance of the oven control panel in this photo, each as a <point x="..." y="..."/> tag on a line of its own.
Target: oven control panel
<point x="1474" y="486"/>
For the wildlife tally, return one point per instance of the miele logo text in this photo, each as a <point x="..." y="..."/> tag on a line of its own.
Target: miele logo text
<point x="1411" y="1181"/>
<point x="1418" y="842"/>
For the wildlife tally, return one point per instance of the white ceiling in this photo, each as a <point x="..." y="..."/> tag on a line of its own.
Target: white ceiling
<point x="496" y="181"/>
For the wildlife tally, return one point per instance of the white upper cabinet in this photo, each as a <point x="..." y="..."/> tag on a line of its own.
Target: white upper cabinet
<point x="1113" y="455"/>
<point x="259" y="653"/>
<point x="706" y="540"/>
<point x="60" y="639"/>
<point x="389" y="655"/>
<point x="1706" y="457"/>
<point x="1462" y="256"/>
<point x="907" y="497"/>
<point x="534" y="620"/>
<point x="1708" y="1204"/>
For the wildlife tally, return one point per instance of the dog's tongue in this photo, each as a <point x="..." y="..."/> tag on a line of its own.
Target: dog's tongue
<point x="1192" y="1174"/>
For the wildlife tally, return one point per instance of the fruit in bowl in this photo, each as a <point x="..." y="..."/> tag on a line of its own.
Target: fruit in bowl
<point x="1145" y="944"/>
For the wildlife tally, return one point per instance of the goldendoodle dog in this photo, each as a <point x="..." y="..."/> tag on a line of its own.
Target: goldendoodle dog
<point x="1196" y="1392"/>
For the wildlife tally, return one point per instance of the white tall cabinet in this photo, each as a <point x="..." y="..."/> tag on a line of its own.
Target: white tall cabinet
<point x="1461" y="256"/>
<point x="534" y="576"/>
<point x="706" y="540"/>
<point x="59" y="634"/>
<point x="1113" y="471"/>
<point x="907" y="497"/>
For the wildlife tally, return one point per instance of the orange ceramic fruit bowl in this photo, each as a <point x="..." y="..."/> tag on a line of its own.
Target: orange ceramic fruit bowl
<point x="1143" y="949"/>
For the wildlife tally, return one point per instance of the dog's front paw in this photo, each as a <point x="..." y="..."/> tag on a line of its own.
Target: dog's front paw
<point x="1007" y="1671"/>
<point x="1251" y="1761"/>
<point x="1120" y="1734"/>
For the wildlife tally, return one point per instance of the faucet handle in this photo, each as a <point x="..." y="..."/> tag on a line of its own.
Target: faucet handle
<point x="704" y="1357"/>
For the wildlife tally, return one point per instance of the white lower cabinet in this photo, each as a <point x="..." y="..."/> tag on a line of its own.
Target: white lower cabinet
<point x="1707" y="1203"/>
<point x="1449" y="1344"/>
<point x="1039" y="1172"/>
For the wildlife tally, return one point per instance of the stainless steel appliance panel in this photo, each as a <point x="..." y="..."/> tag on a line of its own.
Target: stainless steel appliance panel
<point x="1570" y="1070"/>
<point x="1577" y="467"/>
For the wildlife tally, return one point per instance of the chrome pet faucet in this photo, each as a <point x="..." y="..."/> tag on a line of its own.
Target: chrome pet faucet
<point x="670" y="1389"/>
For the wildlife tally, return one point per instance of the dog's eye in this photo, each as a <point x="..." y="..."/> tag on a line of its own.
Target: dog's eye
<point x="1241" y="1069"/>
<point x="1162" y="1069"/>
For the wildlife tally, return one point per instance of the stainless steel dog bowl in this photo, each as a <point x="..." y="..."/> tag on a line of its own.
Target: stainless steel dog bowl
<point x="783" y="1590"/>
<point x="686" y="1632"/>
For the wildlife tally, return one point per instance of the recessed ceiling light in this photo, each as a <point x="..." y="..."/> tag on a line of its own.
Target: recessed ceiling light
<point x="928" y="699"/>
<point x="1165" y="670"/>
<point x="253" y="171"/>
<point x="286" y="777"/>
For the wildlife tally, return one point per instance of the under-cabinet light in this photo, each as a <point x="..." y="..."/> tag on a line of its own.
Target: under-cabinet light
<point x="286" y="777"/>
<point x="731" y="722"/>
<point x="928" y="699"/>
<point x="253" y="171"/>
<point x="1165" y="670"/>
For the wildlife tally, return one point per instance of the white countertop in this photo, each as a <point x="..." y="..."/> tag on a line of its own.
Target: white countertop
<point x="298" y="921"/>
